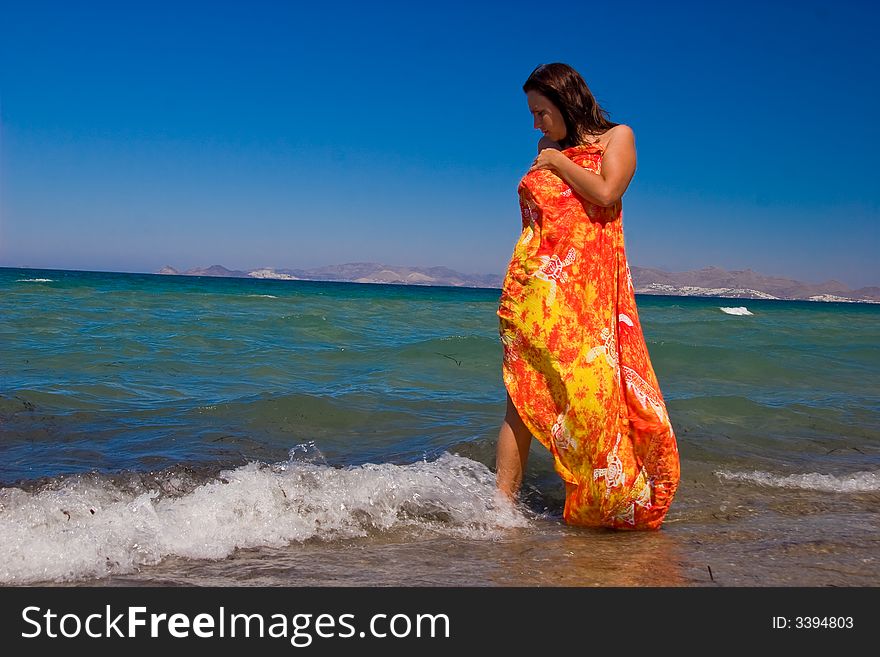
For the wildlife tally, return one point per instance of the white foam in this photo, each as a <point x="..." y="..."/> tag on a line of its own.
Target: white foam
<point x="858" y="482"/>
<point x="737" y="310"/>
<point x="265" y="296"/>
<point x="35" y="280"/>
<point x="88" y="527"/>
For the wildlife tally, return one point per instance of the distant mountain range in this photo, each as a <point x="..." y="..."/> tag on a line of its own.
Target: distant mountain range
<point x="706" y="282"/>
<point x="354" y="272"/>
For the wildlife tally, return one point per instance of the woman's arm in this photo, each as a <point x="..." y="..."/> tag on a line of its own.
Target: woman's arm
<point x="618" y="168"/>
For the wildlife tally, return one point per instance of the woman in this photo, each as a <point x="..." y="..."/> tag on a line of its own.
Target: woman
<point x="576" y="367"/>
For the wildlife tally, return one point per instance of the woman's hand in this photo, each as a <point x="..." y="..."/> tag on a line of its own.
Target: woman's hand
<point x="550" y="159"/>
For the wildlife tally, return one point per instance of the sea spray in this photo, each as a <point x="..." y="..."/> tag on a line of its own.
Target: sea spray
<point x="88" y="526"/>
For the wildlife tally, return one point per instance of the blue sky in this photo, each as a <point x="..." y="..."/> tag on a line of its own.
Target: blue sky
<point x="285" y="134"/>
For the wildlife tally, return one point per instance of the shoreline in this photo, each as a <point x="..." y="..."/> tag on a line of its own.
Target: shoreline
<point x="719" y="533"/>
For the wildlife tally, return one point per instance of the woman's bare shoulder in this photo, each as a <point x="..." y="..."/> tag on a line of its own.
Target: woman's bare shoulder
<point x="619" y="132"/>
<point x="619" y="139"/>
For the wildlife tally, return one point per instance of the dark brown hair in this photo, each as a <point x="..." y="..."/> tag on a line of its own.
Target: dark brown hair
<point x="566" y="89"/>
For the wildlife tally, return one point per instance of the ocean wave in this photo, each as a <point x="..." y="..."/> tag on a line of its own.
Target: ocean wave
<point x="92" y="526"/>
<point x="737" y="310"/>
<point x="263" y="296"/>
<point x="35" y="280"/>
<point x="858" y="482"/>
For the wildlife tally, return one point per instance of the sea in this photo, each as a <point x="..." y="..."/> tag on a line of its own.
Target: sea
<point x="160" y="430"/>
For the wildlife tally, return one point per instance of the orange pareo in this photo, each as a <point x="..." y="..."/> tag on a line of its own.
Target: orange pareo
<point x="575" y="361"/>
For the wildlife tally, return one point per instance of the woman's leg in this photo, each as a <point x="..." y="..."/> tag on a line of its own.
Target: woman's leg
<point x="514" y="440"/>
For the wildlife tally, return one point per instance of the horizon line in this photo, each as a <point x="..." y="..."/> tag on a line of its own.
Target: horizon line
<point x="274" y="268"/>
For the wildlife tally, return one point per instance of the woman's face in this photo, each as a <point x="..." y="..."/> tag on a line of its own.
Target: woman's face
<point x="548" y="118"/>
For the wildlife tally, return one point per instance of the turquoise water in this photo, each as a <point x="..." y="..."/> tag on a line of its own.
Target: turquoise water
<point x="152" y="402"/>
